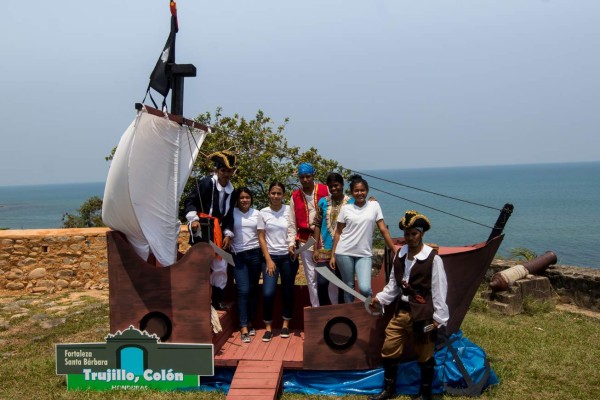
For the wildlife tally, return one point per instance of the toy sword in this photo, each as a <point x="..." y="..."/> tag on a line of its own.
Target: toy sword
<point x="328" y="274"/>
<point x="305" y="246"/>
<point x="225" y="255"/>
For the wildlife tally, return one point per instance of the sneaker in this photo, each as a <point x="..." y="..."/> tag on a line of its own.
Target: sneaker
<point x="245" y="338"/>
<point x="251" y="331"/>
<point x="267" y="336"/>
<point x="285" y="332"/>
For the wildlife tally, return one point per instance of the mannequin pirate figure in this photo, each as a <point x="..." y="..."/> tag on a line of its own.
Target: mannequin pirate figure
<point x="209" y="212"/>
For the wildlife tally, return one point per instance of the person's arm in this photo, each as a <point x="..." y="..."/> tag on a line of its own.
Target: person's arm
<point x="317" y="237"/>
<point x="192" y="204"/>
<point x="386" y="235"/>
<point x="292" y="230"/>
<point x="263" y="247"/>
<point x="317" y="231"/>
<point x="439" y="291"/>
<point x="338" y="232"/>
<point x="390" y="291"/>
<point x="227" y="223"/>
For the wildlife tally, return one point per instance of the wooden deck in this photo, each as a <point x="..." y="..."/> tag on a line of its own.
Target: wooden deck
<point x="288" y="351"/>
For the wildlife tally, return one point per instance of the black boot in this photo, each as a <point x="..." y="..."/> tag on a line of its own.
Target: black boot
<point x="390" y="375"/>
<point x="427" y="371"/>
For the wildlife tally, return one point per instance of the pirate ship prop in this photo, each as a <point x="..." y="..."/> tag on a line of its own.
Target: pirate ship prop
<point x="157" y="289"/>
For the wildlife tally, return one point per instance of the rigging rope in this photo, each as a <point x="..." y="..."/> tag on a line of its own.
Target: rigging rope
<point x="426" y="191"/>
<point x="432" y="208"/>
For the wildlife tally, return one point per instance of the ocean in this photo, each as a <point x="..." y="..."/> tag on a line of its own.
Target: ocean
<point x="557" y="206"/>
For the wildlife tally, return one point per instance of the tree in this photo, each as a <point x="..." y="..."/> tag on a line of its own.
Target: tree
<point x="87" y="216"/>
<point x="263" y="154"/>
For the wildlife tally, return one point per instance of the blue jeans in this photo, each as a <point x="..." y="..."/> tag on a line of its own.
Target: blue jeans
<point x="348" y="266"/>
<point x="288" y="269"/>
<point x="324" y="287"/>
<point x="247" y="274"/>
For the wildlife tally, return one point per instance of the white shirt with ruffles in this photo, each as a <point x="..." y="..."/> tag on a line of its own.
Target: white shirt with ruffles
<point x="439" y="284"/>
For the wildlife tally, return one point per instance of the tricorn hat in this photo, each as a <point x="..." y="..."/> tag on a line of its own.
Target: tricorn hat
<point x="223" y="158"/>
<point x="412" y="219"/>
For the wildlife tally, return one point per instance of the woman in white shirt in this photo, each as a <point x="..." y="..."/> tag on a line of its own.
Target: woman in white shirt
<point x="272" y="236"/>
<point x="353" y="242"/>
<point x="248" y="261"/>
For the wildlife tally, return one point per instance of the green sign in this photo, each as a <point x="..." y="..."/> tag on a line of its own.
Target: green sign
<point x="134" y="360"/>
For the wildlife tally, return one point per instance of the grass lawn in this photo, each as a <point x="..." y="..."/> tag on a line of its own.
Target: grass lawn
<point x="545" y="354"/>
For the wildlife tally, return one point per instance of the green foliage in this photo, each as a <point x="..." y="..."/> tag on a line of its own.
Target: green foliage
<point x="378" y="240"/>
<point x="522" y="253"/>
<point x="263" y="154"/>
<point x="87" y="216"/>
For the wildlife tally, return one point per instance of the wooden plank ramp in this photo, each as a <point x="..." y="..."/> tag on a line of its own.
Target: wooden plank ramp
<point x="256" y="380"/>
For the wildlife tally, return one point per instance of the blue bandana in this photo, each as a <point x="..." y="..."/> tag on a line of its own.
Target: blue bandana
<point x="306" y="169"/>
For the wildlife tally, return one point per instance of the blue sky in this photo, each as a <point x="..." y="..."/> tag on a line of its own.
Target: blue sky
<point x="373" y="84"/>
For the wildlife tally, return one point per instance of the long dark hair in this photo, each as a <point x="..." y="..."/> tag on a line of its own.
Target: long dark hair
<point x="354" y="179"/>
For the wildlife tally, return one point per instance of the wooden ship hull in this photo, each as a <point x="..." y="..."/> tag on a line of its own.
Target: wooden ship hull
<point x="174" y="303"/>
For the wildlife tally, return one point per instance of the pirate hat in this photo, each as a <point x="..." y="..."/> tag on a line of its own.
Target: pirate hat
<point x="412" y="219"/>
<point x="223" y="158"/>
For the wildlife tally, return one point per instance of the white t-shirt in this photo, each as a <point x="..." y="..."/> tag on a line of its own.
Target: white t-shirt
<point x="244" y="228"/>
<point x="357" y="236"/>
<point x="275" y="225"/>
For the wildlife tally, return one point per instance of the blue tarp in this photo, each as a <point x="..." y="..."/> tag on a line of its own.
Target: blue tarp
<point x="368" y="382"/>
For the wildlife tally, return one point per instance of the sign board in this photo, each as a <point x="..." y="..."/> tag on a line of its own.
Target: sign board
<point x="134" y="360"/>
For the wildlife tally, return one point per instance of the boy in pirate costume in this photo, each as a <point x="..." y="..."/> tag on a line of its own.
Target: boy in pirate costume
<point x="303" y="208"/>
<point x="419" y="282"/>
<point x="209" y="212"/>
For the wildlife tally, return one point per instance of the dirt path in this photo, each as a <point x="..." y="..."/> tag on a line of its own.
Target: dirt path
<point x="578" y="310"/>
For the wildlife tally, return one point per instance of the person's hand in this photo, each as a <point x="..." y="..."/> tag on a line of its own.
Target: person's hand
<point x="195" y="225"/>
<point x="332" y="262"/>
<point x="375" y="305"/>
<point x="226" y="243"/>
<point x="291" y="250"/>
<point x="315" y="256"/>
<point x="270" y="268"/>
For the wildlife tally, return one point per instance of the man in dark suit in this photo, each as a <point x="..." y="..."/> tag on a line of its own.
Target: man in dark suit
<point x="209" y="212"/>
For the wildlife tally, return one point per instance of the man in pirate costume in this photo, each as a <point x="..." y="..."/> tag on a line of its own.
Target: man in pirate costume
<point x="303" y="208"/>
<point x="209" y="212"/>
<point x="419" y="282"/>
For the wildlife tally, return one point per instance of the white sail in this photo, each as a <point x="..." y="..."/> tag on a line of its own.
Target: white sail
<point x="146" y="178"/>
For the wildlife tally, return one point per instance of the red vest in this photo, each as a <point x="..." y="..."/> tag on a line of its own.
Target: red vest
<point x="301" y="210"/>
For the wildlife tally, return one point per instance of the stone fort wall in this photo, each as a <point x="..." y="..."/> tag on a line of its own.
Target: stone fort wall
<point x="49" y="260"/>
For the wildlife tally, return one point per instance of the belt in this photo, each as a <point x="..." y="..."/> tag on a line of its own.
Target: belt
<point x="402" y="305"/>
